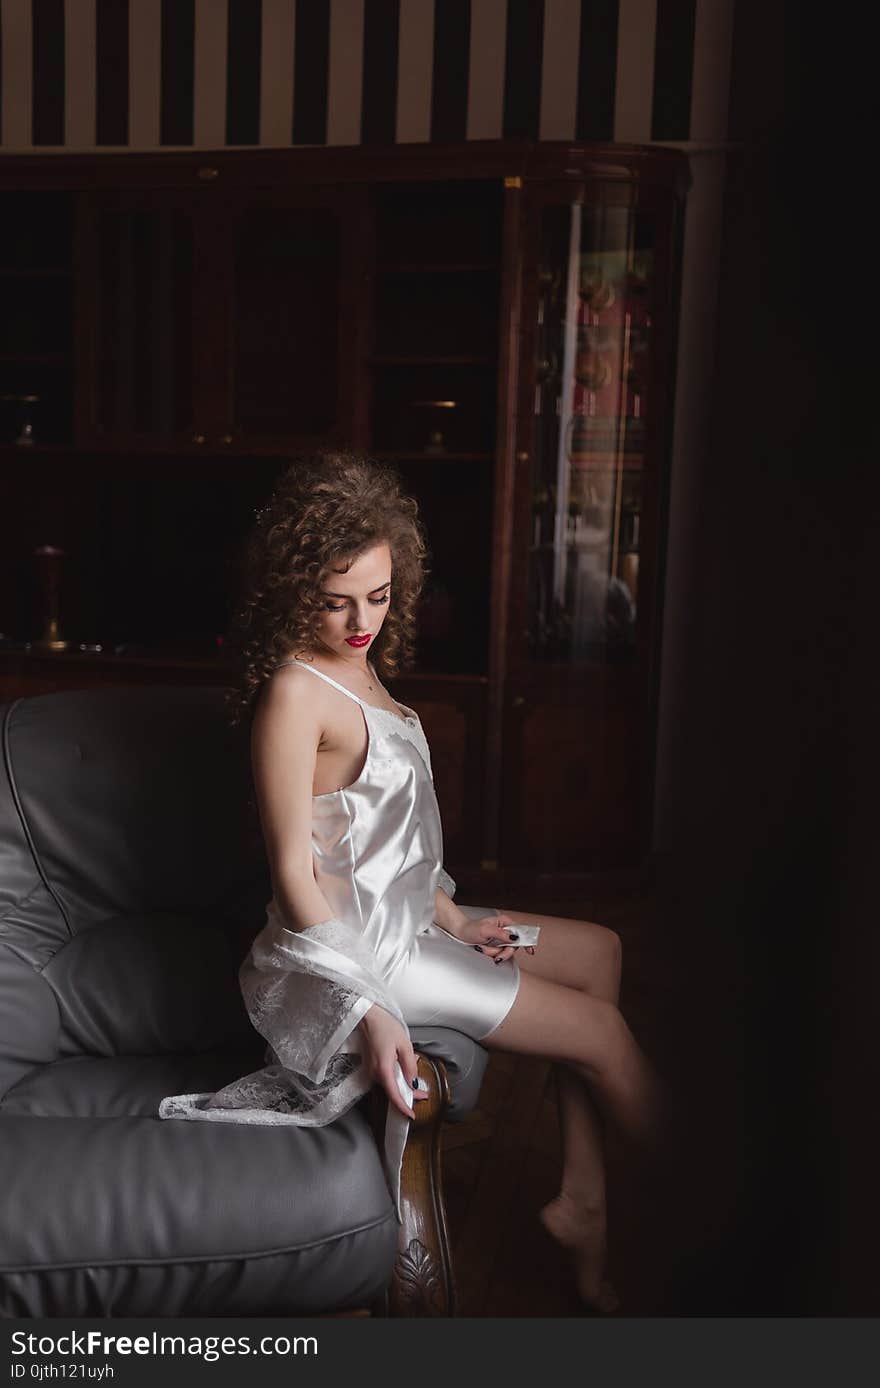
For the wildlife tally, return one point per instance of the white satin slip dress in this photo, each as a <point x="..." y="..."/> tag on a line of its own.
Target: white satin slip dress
<point x="378" y="859"/>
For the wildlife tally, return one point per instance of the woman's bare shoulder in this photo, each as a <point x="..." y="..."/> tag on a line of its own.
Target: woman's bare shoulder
<point x="291" y="701"/>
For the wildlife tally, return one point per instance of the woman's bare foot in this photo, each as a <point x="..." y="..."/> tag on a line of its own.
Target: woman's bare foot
<point x="582" y="1232"/>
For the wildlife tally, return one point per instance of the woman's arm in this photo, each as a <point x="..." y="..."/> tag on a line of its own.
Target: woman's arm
<point x="287" y="728"/>
<point x="447" y="914"/>
<point x="489" y="935"/>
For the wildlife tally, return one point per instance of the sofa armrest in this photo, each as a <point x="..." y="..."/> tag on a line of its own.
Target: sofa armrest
<point x="452" y="1065"/>
<point x="465" y="1063"/>
<point x="422" y="1282"/>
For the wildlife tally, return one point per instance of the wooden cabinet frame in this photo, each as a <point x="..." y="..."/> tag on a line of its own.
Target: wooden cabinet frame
<point x="212" y="211"/>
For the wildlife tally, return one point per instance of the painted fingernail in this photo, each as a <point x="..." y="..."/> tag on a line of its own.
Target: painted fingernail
<point x="477" y="948"/>
<point x="513" y="936"/>
<point x="497" y="959"/>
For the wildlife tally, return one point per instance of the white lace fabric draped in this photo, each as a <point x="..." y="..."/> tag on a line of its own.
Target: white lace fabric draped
<point x="324" y="976"/>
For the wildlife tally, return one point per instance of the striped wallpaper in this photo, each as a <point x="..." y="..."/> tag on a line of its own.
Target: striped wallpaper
<point x="147" y="74"/>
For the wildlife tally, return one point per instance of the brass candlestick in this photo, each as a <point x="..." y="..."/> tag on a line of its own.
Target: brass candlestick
<point x="25" y="435"/>
<point x="49" y="559"/>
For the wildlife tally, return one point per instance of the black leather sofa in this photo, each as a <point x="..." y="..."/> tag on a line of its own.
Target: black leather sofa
<point x="132" y="881"/>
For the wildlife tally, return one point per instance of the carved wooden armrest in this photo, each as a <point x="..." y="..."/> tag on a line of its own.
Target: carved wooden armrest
<point x="422" y="1283"/>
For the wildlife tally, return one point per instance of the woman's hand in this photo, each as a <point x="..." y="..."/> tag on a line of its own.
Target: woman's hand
<point x="488" y="935"/>
<point x="386" y="1045"/>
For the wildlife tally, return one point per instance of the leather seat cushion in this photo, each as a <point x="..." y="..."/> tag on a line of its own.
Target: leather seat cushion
<point x="127" y="1215"/>
<point x="125" y="1085"/>
<point x="284" y="1219"/>
<point x="113" y="1086"/>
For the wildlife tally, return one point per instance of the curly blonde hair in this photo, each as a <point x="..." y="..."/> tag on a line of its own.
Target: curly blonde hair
<point x="327" y="509"/>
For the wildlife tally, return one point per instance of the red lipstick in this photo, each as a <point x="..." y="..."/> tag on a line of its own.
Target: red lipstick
<point x="358" y="640"/>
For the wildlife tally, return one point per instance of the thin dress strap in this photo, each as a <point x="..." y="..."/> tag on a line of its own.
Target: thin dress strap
<point x="320" y="673"/>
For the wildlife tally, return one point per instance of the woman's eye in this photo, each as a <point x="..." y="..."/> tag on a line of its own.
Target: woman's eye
<point x="340" y="607"/>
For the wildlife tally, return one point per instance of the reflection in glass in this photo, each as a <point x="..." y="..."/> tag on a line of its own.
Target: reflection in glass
<point x="594" y="327"/>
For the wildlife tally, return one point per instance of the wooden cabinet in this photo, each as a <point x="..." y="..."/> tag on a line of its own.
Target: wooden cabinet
<point x="219" y="322"/>
<point x="294" y="322"/>
<point x="497" y="321"/>
<point x="139" y="345"/>
<point x="36" y="318"/>
<point x="431" y="390"/>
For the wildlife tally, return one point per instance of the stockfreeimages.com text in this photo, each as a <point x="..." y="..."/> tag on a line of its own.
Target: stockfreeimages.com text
<point x="208" y="1347"/>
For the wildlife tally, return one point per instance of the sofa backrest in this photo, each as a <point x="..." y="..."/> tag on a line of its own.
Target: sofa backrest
<point x="132" y="874"/>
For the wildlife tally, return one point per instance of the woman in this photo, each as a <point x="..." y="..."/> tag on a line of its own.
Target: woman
<point x="361" y="904"/>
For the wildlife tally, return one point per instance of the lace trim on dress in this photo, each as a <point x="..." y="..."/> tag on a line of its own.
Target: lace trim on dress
<point x="409" y="731"/>
<point x="446" y="883"/>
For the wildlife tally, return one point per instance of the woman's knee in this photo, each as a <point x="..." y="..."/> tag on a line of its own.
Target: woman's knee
<point x="600" y="962"/>
<point x="605" y="1036"/>
<point x="612" y="949"/>
<point x="563" y="1023"/>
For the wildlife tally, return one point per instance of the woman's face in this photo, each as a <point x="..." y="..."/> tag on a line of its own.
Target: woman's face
<point x="355" y="605"/>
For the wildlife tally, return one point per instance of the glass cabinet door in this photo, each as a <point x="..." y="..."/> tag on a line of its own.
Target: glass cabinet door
<point x="596" y="372"/>
<point x="591" y="405"/>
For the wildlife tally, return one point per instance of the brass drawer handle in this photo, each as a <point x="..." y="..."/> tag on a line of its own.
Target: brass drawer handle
<point x="198" y="438"/>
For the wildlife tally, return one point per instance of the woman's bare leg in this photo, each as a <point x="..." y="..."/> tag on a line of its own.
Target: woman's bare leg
<point x="587" y="957"/>
<point x="577" y="1217"/>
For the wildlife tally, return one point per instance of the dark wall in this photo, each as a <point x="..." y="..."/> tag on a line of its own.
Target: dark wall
<point x="771" y="904"/>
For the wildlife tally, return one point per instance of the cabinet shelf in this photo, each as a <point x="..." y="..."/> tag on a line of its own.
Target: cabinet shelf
<point x="607" y="462"/>
<point x="471" y="267"/>
<point x="34" y="358"/>
<point x="19" y="450"/>
<point x="549" y="546"/>
<point x="431" y="361"/>
<point x="415" y="456"/>
<point x="51" y="272"/>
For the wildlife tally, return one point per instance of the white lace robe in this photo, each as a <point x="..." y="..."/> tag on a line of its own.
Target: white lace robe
<point x="323" y="977"/>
